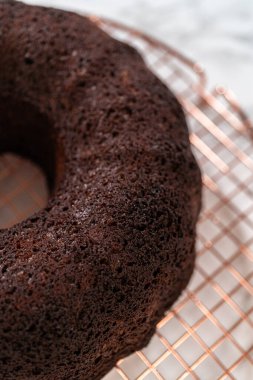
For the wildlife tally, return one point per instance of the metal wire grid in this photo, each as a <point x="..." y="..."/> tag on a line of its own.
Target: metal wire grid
<point x="208" y="334"/>
<point x="23" y="189"/>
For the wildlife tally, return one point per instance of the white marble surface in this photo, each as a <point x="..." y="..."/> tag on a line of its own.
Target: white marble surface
<point x="216" y="33"/>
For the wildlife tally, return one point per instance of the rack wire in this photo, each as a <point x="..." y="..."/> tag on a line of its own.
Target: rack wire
<point x="208" y="334"/>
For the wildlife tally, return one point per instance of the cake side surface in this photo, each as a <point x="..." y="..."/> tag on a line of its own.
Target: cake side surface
<point x="85" y="281"/>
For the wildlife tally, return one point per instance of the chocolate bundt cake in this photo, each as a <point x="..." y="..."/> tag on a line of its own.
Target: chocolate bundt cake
<point x="84" y="282"/>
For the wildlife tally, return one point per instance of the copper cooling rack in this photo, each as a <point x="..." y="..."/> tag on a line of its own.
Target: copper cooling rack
<point x="209" y="332"/>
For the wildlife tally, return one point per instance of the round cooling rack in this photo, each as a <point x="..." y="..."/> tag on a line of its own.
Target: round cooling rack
<point x="208" y="334"/>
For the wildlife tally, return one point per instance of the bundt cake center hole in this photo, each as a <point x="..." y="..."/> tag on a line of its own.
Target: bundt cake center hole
<point x="27" y="160"/>
<point x="23" y="189"/>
